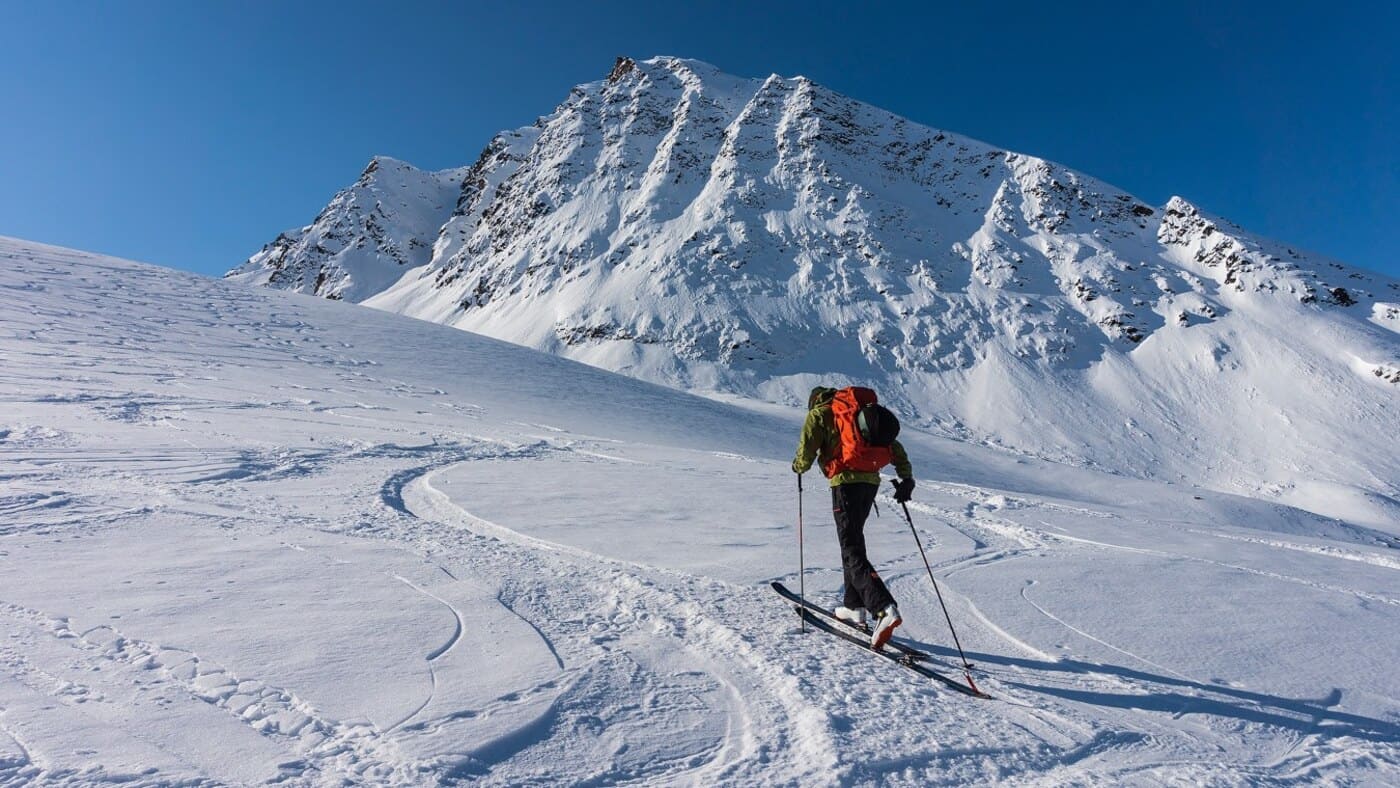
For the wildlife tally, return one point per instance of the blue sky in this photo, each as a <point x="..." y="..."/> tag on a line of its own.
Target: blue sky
<point x="190" y="134"/>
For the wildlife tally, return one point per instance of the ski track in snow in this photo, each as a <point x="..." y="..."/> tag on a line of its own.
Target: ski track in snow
<point x="667" y="615"/>
<point x="347" y="748"/>
<point x="555" y="626"/>
<point x="340" y="748"/>
<point x="1375" y="559"/>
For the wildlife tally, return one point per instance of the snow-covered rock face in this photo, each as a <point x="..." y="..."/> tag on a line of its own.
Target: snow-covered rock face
<point x="758" y="236"/>
<point x="365" y="239"/>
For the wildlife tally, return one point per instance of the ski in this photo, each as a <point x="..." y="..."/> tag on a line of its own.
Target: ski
<point x="851" y="635"/>
<point x="907" y="651"/>
<point x="893" y="656"/>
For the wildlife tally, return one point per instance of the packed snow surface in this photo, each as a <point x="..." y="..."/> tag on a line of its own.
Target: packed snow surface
<point x="248" y="536"/>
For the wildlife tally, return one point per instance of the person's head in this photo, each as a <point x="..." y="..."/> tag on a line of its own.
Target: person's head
<point x="816" y="395"/>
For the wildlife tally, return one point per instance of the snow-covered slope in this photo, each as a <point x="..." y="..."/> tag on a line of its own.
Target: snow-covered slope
<point x="248" y="536"/>
<point x="752" y="237"/>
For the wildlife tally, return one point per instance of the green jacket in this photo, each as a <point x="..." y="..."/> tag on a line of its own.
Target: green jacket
<point x="821" y="440"/>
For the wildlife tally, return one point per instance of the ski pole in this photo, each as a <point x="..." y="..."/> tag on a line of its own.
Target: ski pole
<point x="967" y="666"/>
<point x="801" y="562"/>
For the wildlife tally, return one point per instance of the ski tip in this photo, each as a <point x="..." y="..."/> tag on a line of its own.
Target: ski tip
<point x="976" y="691"/>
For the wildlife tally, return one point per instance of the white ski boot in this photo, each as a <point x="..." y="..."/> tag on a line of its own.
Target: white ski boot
<point x="852" y="615"/>
<point x="884" y="627"/>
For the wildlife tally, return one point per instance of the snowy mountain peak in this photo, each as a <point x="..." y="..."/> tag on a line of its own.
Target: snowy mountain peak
<point x="1246" y="263"/>
<point x="624" y="66"/>
<point x="755" y="236"/>
<point x="369" y="234"/>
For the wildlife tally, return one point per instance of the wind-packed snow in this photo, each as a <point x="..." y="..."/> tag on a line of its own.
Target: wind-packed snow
<point x="752" y="237"/>
<point x="247" y="535"/>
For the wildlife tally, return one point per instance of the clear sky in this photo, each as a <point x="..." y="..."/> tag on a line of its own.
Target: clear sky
<point x="190" y="133"/>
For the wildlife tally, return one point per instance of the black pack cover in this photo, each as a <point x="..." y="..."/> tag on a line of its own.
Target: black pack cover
<point x="877" y="425"/>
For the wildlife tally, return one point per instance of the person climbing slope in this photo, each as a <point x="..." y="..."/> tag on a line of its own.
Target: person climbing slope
<point x="853" y="436"/>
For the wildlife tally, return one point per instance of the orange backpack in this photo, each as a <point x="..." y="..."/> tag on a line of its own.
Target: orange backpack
<point x="865" y="430"/>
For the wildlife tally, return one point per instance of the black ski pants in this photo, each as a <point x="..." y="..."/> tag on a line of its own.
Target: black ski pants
<point x="851" y="506"/>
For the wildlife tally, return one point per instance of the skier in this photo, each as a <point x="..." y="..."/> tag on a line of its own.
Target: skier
<point x="852" y="494"/>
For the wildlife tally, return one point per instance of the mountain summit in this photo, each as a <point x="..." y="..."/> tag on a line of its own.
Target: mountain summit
<point x="756" y="236"/>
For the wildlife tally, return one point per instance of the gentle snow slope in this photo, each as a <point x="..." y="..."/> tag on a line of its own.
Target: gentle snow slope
<point x="247" y="535"/>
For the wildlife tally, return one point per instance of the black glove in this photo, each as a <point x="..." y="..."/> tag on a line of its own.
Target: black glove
<point x="903" y="490"/>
